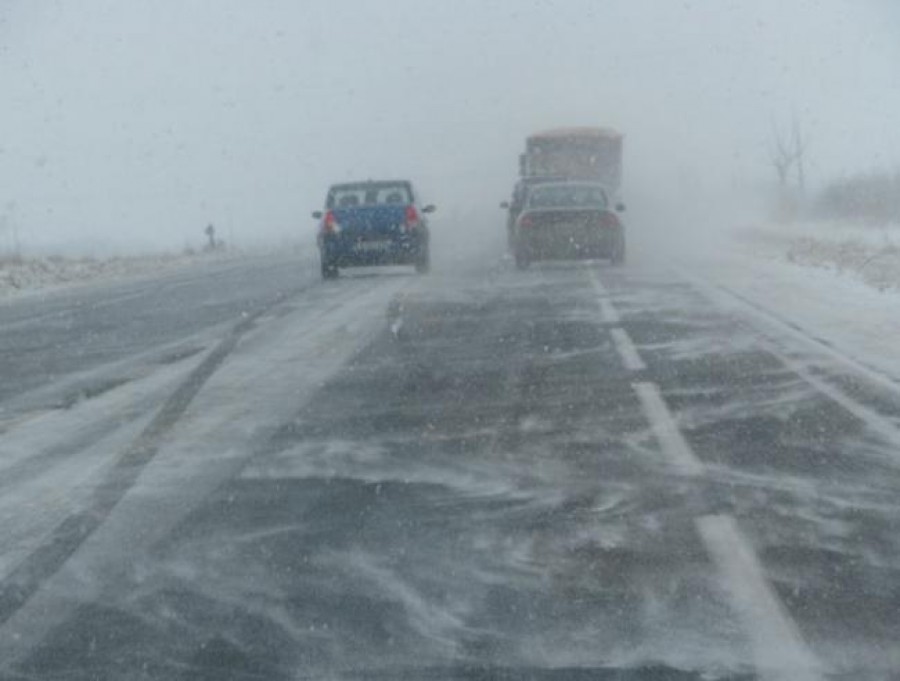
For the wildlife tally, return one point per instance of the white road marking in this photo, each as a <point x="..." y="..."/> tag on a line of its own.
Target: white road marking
<point x="610" y="315"/>
<point x="876" y="422"/>
<point x="780" y="652"/>
<point x="670" y="439"/>
<point x="627" y="352"/>
<point x="779" y="649"/>
<point x="596" y="283"/>
<point x="879" y="424"/>
<point x="727" y="298"/>
<point x="608" y="312"/>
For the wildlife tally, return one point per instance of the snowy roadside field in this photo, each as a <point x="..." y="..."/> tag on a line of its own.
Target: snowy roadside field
<point x="866" y="253"/>
<point x="18" y="275"/>
<point x="837" y="283"/>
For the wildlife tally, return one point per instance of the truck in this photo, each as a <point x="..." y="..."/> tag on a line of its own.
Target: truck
<point x="565" y="203"/>
<point x="591" y="154"/>
<point x="560" y="154"/>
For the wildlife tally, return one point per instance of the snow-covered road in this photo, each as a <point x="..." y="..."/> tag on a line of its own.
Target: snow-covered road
<point x="483" y="473"/>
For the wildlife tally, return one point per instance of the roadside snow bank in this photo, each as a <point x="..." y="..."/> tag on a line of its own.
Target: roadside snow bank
<point x="868" y="254"/>
<point x="838" y="283"/>
<point x="18" y="275"/>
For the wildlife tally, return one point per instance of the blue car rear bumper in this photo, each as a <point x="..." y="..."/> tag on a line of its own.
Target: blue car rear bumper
<point x="343" y="252"/>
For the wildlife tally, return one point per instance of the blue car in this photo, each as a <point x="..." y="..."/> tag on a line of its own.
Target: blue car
<point x="373" y="223"/>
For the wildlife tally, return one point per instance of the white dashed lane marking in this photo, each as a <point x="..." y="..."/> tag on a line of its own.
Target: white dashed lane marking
<point x="778" y="647"/>
<point x="670" y="439"/>
<point x="610" y="315"/>
<point x="627" y="352"/>
<point x="779" y="651"/>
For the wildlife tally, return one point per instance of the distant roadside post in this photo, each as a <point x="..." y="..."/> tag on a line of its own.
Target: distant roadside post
<point x="210" y="232"/>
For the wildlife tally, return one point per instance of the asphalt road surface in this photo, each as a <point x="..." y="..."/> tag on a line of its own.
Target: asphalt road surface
<point x="572" y="472"/>
<point x="45" y="339"/>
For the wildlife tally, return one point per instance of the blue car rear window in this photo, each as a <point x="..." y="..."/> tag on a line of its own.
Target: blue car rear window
<point x="369" y="195"/>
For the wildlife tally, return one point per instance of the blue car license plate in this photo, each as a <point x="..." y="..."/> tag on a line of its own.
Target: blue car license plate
<point x="373" y="246"/>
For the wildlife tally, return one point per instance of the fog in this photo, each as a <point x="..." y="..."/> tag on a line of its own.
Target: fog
<point x="131" y="126"/>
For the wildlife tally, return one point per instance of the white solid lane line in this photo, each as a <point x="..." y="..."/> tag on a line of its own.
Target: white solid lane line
<point x="883" y="426"/>
<point x="671" y="441"/>
<point x="877" y="423"/>
<point x="779" y="649"/>
<point x="627" y="352"/>
<point x="779" y="326"/>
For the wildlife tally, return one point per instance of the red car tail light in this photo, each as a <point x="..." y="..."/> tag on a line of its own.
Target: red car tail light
<point x="412" y="218"/>
<point x="609" y="221"/>
<point x="329" y="223"/>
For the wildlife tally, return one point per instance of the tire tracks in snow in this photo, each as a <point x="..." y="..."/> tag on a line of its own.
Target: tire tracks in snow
<point x="42" y="563"/>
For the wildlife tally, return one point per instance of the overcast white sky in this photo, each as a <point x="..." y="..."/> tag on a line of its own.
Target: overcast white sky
<point x="135" y="123"/>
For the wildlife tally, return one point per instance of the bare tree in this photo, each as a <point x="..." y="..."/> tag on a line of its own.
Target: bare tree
<point x="788" y="155"/>
<point x="799" y="144"/>
<point x="781" y="154"/>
